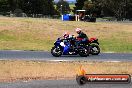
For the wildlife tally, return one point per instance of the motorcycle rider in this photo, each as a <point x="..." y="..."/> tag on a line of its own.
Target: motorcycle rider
<point x="67" y="38"/>
<point x="66" y="35"/>
<point x="82" y="37"/>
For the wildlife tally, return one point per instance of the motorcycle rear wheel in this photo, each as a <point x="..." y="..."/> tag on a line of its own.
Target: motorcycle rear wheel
<point x="95" y="50"/>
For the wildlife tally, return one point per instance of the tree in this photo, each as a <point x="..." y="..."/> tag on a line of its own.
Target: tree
<point x="128" y="9"/>
<point x="115" y="8"/>
<point x="79" y="5"/>
<point x="89" y="7"/>
<point x="13" y="4"/>
<point x="44" y="7"/>
<point x="4" y="6"/>
<point x="63" y="7"/>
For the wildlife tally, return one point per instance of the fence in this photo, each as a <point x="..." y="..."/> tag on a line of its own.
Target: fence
<point x="35" y="16"/>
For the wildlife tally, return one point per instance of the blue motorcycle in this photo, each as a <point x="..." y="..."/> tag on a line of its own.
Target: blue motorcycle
<point x="68" y="47"/>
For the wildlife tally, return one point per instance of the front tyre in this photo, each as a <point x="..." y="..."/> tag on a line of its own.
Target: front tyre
<point x="56" y="51"/>
<point x="84" y="52"/>
<point x="95" y="50"/>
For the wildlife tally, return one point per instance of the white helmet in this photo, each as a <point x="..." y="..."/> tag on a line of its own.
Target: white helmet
<point x="78" y="29"/>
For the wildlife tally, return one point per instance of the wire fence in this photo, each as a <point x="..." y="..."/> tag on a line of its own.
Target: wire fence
<point x="32" y="15"/>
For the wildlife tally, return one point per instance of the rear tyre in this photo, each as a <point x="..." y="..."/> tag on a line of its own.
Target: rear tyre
<point x="56" y="51"/>
<point x="95" y="50"/>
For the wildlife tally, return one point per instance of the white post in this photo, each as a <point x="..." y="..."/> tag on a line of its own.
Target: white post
<point x="77" y="17"/>
<point x="62" y="17"/>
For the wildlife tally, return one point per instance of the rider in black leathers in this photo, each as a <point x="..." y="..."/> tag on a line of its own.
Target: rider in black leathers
<point x="82" y="37"/>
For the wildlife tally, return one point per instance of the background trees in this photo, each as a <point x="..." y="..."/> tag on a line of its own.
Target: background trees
<point x="112" y="7"/>
<point x="116" y="8"/>
<point x="63" y="7"/>
<point x="79" y="5"/>
<point x="91" y="7"/>
<point x="45" y="7"/>
<point x="4" y="6"/>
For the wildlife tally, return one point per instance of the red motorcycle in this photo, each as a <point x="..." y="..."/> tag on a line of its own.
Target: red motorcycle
<point x="92" y="45"/>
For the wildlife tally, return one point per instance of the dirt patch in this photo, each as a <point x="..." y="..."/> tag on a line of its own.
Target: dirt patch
<point x="36" y="70"/>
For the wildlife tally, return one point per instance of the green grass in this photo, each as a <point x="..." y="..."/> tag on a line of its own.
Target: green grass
<point x="115" y="46"/>
<point x="40" y="34"/>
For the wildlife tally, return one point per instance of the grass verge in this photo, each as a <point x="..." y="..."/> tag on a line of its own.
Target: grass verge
<point x="40" y="34"/>
<point x="35" y="70"/>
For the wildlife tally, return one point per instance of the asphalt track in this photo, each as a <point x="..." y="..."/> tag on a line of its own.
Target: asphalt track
<point x="60" y="84"/>
<point x="46" y="56"/>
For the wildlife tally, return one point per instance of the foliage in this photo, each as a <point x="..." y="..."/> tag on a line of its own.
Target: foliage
<point x="89" y="7"/>
<point x="4" y="6"/>
<point x="63" y="7"/>
<point x="45" y="7"/>
<point x="79" y="5"/>
<point x="118" y="8"/>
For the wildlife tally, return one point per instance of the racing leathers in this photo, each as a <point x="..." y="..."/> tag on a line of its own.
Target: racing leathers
<point x="81" y="38"/>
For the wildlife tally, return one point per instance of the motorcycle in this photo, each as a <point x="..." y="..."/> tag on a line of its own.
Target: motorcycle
<point x="66" y="47"/>
<point x="94" y="46"/>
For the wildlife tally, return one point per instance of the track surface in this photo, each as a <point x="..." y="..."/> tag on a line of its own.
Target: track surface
<point x="41" y="55"/>
<point x="44" y="56"/>
<point x="60" y="84"/>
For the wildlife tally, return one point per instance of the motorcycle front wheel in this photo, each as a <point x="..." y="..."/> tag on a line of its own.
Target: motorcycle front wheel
<point x="84" y="52"/>
<point x="56" y="51"/>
